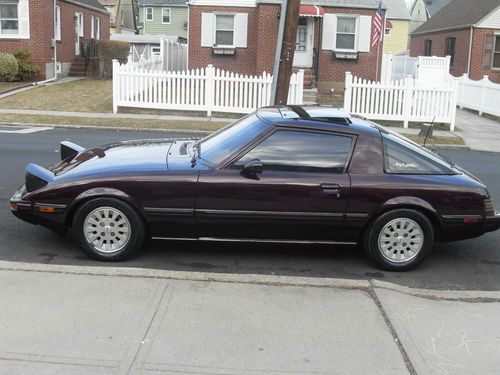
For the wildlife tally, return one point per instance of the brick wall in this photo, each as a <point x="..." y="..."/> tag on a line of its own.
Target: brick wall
<point x="42" y="32"/>
<point x="462" y="41"/>
<point x="244" y="61"/>
<point x="332" y="70"/>
<point x="460" y="64"/>
<point x="263" y="24"/>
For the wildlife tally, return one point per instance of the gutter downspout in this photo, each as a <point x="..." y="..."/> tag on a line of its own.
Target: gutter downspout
<point x="470" y="50"/>
<point x="55" y="51"/>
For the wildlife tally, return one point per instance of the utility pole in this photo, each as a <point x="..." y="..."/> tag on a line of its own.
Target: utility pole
<point x="118" y="18"/>
<point x="287" y="51"/>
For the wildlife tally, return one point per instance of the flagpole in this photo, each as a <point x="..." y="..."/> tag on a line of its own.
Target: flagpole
<point x="378" y="62"/>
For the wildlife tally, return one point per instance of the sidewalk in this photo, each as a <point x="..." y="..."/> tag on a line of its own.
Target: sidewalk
<point x="479" y="133"/>
<point x="92" y="320"/>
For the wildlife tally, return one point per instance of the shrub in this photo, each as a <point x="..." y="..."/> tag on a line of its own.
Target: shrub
<point x="107" y="51"/>
<point x="8" y="67"/>
<point x="26" y="67"/>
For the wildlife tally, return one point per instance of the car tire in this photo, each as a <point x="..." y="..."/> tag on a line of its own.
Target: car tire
<point x="399" y="240"/>
<point x="108" y="229"/>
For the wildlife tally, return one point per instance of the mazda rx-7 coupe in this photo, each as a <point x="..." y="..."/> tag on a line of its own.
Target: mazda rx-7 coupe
<point x="288" y="174"/>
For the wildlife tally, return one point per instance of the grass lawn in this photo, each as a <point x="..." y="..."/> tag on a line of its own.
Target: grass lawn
<point x="118" y="123"/>
<point x="86" y="95"/>
<point x="436" y="140"/>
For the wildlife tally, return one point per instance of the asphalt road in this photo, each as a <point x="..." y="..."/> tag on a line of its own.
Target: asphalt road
<point x="467" y="265"/>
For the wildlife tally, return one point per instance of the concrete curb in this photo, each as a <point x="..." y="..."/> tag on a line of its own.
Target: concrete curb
<point x="275" y="280"/>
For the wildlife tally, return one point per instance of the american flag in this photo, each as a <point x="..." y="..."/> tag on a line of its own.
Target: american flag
<point x="377" y="34"/>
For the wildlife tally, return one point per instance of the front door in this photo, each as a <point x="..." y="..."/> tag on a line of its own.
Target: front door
<point x="301" y="194"/>
<point x="303" y="57"/>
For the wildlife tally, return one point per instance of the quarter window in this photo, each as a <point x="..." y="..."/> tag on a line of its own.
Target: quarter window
<point x="149" y="14"/>
<point x="346" y="33"/>
<point x="299" y="151"/>
<point x="165" y="14"/>
<point x="224" y="29"/>
<point x="404" y="157"/>
<point x="9" y="19"/>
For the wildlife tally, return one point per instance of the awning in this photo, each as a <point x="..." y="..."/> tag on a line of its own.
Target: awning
<point x="388" y="24"/>
<point x="311" y="11"/>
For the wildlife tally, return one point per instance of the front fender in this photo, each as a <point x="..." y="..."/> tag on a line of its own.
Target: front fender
<point x="100" y="192"/>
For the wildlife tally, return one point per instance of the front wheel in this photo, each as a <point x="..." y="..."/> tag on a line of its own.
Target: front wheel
<point x="108" y="229"/>
<point x="399" y="240"/>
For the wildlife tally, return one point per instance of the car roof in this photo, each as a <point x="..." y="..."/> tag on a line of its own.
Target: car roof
<point x="318" y="117"/>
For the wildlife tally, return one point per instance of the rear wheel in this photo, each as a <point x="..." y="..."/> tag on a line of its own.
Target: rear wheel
<point x="108" y="229"/>
<point x="399" y="240"/>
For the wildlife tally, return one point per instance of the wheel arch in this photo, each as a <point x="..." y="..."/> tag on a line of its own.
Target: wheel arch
<point x="96" y="193"/>
<point x="415" y="204"/>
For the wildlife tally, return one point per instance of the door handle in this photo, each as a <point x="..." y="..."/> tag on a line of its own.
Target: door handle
<point x="331" y="189"/>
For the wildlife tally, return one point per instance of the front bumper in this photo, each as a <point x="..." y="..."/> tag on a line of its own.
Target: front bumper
<point x="491" y="223"/>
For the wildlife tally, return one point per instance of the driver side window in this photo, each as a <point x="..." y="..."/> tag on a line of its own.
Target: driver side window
<point x="300" y="151"/>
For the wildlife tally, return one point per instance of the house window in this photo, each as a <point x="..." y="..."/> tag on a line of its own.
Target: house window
<point x="346" y="33"/>
<point x="57" y="23"/>
<point x="165" y="15"/>
<point x="450" y="49"/>
<point x="9" y="20"/>
<point x="149" y="14"/>
<point x="97" y="28"/>
<point x="387" y="31"/>
<point x="224" y="30"/>
<point x="155" y="50"/>
<point x="92" y="27"/>
<point x="428" y="47"/>
<point x="496" y="53"/>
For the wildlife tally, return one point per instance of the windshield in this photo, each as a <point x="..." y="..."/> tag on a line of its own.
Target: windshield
<point x="218" y="146"/>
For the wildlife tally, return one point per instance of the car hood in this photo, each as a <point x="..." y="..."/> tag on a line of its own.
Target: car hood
<point x="116" y="159"/>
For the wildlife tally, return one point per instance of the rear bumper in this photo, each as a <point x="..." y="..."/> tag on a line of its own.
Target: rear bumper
<point x="491" y="223"/>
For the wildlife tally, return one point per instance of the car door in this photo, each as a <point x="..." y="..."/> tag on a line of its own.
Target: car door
<point x="302" y="192"/>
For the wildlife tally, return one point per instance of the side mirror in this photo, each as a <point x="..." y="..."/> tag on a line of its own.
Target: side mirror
<point x="252" y="168"/>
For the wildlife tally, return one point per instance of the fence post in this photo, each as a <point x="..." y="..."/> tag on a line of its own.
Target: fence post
<point x="483" y="93"/>
<point x="116" y="85"/>
<point x="462" y="81"/>
<point x="209" y="88"/>
<point x="407" y="100"/>
<point x="300" y="87"/>
<point x="453" y="105"/>
<point x="348" y="92"/>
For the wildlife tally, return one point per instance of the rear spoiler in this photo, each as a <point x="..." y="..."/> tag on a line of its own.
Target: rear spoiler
<point x="69" y="150"/>
<point x="37" y="177"/>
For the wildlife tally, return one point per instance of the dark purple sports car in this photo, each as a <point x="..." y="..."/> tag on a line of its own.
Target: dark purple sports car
<point x="283" y="174"/>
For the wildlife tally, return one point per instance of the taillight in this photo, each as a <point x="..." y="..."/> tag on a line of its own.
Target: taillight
<point x="489" y="210"/>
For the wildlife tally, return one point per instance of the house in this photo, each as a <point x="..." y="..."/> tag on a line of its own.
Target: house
<point x="418" y="14"/>
<point x="123" y="15"/>
<point x="163" y="17"/>
<point x="144" y="46"/>
<point x="39" y="27"/>
<point x="332" y="37"/>
<point x="397" y="27"/>
<point x="469" y="32"/>
<point x="422" y="10"/>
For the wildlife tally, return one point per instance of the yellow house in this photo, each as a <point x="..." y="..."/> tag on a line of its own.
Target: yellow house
<point x="397" y="27"/>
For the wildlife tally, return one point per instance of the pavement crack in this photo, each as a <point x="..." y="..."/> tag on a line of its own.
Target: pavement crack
<point x="392" y="330"/>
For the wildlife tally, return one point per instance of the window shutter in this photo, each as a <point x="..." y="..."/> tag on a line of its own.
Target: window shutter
<point x="329" y="32"/>
<point x="240" y="30"/>
<point x="488" y="51"/>
<point x="24" y="19"/>
<point x="207" y="29"/>
<point x="365" y="33"/>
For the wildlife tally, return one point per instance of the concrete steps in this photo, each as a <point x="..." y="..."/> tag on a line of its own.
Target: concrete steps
<point x="77" y="67"/>
<point x="310" y="96"/>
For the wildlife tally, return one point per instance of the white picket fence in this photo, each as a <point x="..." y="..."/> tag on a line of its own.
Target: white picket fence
<point x="482" y="96"/>
<point x="404" y="100"/>
<point x="206" y="89"/>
